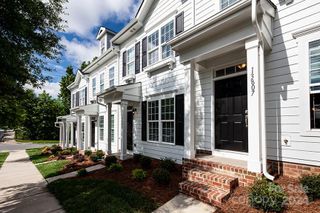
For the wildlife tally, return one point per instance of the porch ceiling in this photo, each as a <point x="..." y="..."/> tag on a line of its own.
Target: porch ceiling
<point x="91" y="110"/>
<point x="67" y="118"/>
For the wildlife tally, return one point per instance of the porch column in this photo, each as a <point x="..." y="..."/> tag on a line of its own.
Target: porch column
<point x="123" y="135"/>
<point x="109" y="150"/>
<point x="72" y="134"/>
<point x="87" y="126"/>
<point x="189" y="135"/>
<point x="67" y="134"/>
<point x="254" y="110"/>
<point x="79" y="137"/>
<point x="60" y="135"/>
<point x="63" y="134"/>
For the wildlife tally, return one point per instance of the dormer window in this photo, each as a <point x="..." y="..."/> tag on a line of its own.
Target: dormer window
<point x="102" y="45"/>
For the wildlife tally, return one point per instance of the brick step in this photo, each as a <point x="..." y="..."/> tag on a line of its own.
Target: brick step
<point x="221" y="181"/>
<point x="204" y="193"/>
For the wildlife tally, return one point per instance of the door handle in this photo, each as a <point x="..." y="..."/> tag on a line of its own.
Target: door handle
<point x="246" y="117"/>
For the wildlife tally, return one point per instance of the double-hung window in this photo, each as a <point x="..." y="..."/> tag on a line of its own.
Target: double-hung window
<point x="314" y="69"/>
<point x="161" y="123"/>
<point x="111" y="77"/>
<point x="94" y="86"/>
<point x="102" y="45"/>
<point x="130" y="59"/>
<point x="153" y="48"/>
<point x="101" y="127"/>
<point x="112" y="128"/>
<point x="101" y="82"/>
<point x="167" y="33"/>
<point x="226" y="3"/>
<point x="82" y="97"/>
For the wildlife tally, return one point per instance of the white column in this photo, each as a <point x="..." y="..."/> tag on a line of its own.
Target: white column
<point x="254" y="111"/>
<point x="123" y="135"/>
<point x="109" y="108"/>
<point x="189" y="128"/>
<point x="60" y="135"/>
<point x="63" y="133"/>
<point x="79" y="137"/>
<point x="87" y="134"/>
<point x="72" y="134"/>
<point x="67" y="134"/>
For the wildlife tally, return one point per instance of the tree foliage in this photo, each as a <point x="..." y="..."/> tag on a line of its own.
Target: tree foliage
<point x="64" y="94"/>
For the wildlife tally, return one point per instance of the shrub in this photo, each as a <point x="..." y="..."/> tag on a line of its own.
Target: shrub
<point x="100" y="154"/>
<point x="65" y="152"/>
<point x="78" y="158"/>
<point x="88" y="152"/>
<point x="46" y="151"/>
<point x="168" y="164"/>
<point x="115" y="167"/>
<point x="136" y="157"/>
<point x="55" y="149"/>
<point x="311" y="185"/>
<point x="73" y="150"/>
<point x="110" y="160"/>
<point x="94" y="158"/>
<point x="161" y="176"/>
<point x="82" y="172"/>
<point x="139" y="174"/>
<point x="267" y="196"/>
<point x="145" y="162"/>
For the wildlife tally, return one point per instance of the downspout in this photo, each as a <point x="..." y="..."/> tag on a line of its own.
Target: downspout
<point x="262" y="90"/>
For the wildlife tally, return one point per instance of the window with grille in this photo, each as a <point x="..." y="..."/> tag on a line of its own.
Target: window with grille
<point x="111" y="77"/>
<point x="101" y="127"/>
<point x="130" y="61"/>
<point x="226" y="3"/>
<point x="101" y="82"/>
<point x="153" y="48"/>
<point x="94" y="86"/>
<point x="167" y="33"/>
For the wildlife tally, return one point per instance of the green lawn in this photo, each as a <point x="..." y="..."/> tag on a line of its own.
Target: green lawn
<point x="3" y="157"/>
<point x="38" y="141"/>
<point x="35" y="155"/>
<point x="88" y="195"/>
<point x="52" y="169"/>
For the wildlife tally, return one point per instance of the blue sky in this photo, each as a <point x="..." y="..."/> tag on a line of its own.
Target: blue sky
<point x="84" y="18"/>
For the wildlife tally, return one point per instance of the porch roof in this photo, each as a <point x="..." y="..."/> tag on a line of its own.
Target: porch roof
<point x="91" y="109"/>
<point x="225" y="31"/>
<point x="116" y="94"/>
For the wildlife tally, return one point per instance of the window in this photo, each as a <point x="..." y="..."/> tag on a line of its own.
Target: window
<point x="153" y="48"/>
<point x="112" y="128"/>
<point x="227" y="3"/>
<point x="167" y="120"/>
<point x="94" y="86"/>
<point x="167" y="33"/>
<point x="82" y="97"/>
<point x="314" y="68"/>
<point x="102" y="45"/>
<point x="111" y="77"/>
<point x="153" y="120"/>
<point x="161" y="126"/>
<point x="101" y="82"/>
<point x="130" y="59"/>
<point x="101" y="127"/>
<point x="82" y="132"/>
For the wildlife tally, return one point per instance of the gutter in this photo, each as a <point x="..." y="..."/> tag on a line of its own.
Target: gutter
<point x="262" y="90"/>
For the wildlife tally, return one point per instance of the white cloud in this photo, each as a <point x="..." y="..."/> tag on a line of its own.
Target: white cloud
<point x="78" y="52"/>
<point x="83" y="15"/>
<point x="53" y="88"/>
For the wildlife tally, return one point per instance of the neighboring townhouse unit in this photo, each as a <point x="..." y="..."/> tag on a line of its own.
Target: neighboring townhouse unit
<point x="228" y="88"/>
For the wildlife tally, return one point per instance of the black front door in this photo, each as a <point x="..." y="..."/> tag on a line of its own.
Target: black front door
<point x="93" y="133"/>
<point x="129" y="131"/>
<point x="231" y="132"/>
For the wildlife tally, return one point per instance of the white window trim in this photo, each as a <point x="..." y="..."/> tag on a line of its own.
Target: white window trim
<point x="303" y="50"/>
<point x="159" y="98"/>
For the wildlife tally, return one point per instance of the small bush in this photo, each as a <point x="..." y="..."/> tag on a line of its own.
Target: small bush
<point x="94" y="158"/>
<point x="88" y="152"/>
<point x="65" y="152"/>
<point x="136" y="157"/>
<point x="311" y="185"/>
<point x="145" y="162"/>
<point x="267" y="196"/>
<point x="115" y="167"/>
<point x="110" y="160"/>
<point x="55" y="149"/>
<point x="139" y="174"/>
<point x="100" y="154"/>
<point x="46" y="151"/>
<point x="73" y="150"/>
<point x="168" y="164"/>
<point x="78" y="157"/>
<point x="161" y="176"/>
<point x="82" y="172"/>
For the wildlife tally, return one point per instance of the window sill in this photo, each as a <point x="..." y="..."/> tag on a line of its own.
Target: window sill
<point x="160" y="143"/>
<point x="311" y="133"/>
<point x="161" y="64"/>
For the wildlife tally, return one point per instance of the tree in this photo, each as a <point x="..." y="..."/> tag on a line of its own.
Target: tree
<point x="65" y="94"/>
<point x="84" y="65"/>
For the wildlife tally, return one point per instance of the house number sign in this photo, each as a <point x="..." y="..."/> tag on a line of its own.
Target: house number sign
<point x="253" y="83"/>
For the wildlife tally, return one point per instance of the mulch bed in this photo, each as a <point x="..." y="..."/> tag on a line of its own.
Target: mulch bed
<point x="148" y="187"/>
<point x="297" y="200"/>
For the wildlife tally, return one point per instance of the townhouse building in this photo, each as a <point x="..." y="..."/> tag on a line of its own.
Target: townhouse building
<point x="228" y="88"/>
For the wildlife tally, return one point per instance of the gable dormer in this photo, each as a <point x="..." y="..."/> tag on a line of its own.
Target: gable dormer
<point x="104" y="37"/>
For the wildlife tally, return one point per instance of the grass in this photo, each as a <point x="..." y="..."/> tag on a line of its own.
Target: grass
<point x="52" y="169"/>
<point x="3" y="157"/>
<point x="88" y="195"/>
<point x="36" y="156"/>
<point x="38" y="141"/>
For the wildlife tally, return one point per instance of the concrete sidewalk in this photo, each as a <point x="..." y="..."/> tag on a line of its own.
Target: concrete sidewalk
<point x="22" y="187"/>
